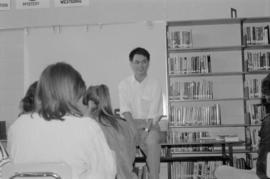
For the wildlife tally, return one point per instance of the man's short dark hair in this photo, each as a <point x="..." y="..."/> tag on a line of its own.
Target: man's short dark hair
<point x="139" y="51"/>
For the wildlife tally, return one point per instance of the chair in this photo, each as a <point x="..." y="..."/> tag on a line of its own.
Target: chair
<point x="37" y="171"/>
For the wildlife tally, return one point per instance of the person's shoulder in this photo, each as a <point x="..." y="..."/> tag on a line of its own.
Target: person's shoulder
<point x="125" y="81"/>
<point x="153" y="81"/>
<point x="25" y="120"/>
<point x="80" y="120"/>
<point x="27" y="117"/>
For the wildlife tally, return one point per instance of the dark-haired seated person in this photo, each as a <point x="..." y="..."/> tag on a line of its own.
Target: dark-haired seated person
<point x="56" y="130"/>
<point x="118" y="131"/>
<point x="225" y="172"/>
<point x="27" y="104"/>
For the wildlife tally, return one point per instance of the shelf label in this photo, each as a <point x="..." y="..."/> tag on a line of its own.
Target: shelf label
<point x="71" y="3"/>
<point x="32" y="4"/>
<point x="4" y="5"/>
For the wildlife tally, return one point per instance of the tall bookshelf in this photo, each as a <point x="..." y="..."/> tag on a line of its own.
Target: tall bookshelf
<point x="214" y="72"/>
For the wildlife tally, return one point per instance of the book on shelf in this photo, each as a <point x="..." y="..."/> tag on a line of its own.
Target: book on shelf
<point x="257" y="34"/>
<point x="257" y="60"/>
<point x="190" y="90"/>
<point x="179" y="64"/>
<point x="253" y="88"/>
<point x="239" y="163"/>
<point x="180" y="137"/>
<point x="195" y="115"/>
<point x="197" y="169"/>
<point x="180" y="39"/>
<point x="252" y="138"/>
<point x="255" y="138"/>
<point x="256" y="113"/>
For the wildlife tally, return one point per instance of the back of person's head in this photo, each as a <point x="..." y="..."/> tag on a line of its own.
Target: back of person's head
<point x="59" y="90"/>
<point x="27" y="104"/>
<point x="139" y="51"/>
<point x="102" y="110"/>
<point x="266" y="93"/>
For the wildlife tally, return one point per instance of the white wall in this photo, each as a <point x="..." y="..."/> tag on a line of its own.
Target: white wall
<point x="120" y="11"/>
<point x="11" y="73"/>
<point x="124" y="25"/>
<point x="99" y="53"/>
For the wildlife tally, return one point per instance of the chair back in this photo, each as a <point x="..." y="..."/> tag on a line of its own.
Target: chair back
<point x="37" y="171"/>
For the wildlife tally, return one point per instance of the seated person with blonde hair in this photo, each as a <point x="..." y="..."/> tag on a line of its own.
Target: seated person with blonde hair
<point x="118" y="131"/>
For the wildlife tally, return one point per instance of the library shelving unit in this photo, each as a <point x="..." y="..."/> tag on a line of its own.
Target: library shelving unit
<point x="214" y="73"/>
<point x="188" y="162"/>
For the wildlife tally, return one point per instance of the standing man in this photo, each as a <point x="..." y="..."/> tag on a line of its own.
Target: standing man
<point x="141" y="104"/>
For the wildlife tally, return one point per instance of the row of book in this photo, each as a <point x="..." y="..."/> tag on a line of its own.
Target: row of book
<point x="239" y="163"/>
<point x="194" y="170"/>
<point x="257" y="34"/>
<point x="252" y="138"/>
<point x="195" y="115"/>
<point x="253" y="35"/>
<point x="202" y="169"/>
<point x="253" y="88"/>
<point x="256" y="112"/>
<point x="257" y="60"/>
<point x="209" y="115"/>
<point x="178" y="137"/>
<point x="175" y="151"/>
<point x="201" y="89"/>
<point x="184" y="65"/>
<point x="179" y="39"/>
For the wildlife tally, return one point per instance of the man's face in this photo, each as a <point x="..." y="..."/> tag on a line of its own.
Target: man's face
<point x="139" y="64"/>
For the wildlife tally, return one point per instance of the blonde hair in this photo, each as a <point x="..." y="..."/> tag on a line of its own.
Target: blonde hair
<point x="103" y="111"/>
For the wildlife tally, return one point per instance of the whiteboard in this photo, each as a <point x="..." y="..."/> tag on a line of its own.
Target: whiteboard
<point x="98" y="52"/>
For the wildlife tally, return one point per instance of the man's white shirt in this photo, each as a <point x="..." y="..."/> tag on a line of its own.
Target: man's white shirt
<point x="142" y="99"/>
